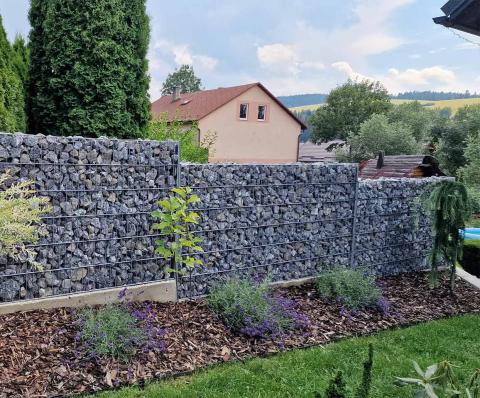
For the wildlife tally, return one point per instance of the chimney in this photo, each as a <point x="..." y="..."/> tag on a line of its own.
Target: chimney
<point x="380" y="160"/>
<point x="176" y="93"/>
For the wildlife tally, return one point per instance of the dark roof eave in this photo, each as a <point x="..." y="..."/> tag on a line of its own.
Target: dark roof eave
<point x="445" y="21"/>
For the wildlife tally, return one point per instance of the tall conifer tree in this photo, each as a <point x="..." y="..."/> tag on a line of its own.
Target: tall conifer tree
<point x="88" y="68"/>
<point x="12" y="100"/>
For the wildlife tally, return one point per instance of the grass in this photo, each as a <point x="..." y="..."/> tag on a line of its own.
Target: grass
<point x="300" y="373"/>
<point x="474" y="223"/>
<point x="453" y="104"/>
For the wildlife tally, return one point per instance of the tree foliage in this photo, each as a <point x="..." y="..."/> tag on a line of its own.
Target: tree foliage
<point x="453" y="137"/>
<point x="414" y="115"/>
<point x="21" y="59"/>
<point x="191" y="150"/>
<point x="451" y="208"/>
<point x="470" y="173"/>
<point x="347" y="107"/>
<point x="183" y="78"/>
<point x="378" y="134"/>
<point x="88" y="70"/>
<point x="175" y="220"/>
<point x="12" y="99"/>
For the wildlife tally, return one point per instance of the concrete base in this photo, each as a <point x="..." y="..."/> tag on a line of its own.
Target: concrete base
<point x="472" y="279"/>
<point x="164" y="291"/>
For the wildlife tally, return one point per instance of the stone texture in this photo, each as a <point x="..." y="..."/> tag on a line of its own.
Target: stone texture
<point x="281" y="221"/>
<point x="101" y="192"/>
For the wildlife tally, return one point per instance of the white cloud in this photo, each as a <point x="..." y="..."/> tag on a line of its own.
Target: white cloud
<point x="347" y="69"/>
<point x="423" y="77"/>
<point x="278" y="56"/>
<point x="283" y="58"/>
<point x="182" y="55"/>
<point x="468" y="46"/>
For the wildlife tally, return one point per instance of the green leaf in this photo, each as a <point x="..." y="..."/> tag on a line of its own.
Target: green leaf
<point x="180" y="191"/>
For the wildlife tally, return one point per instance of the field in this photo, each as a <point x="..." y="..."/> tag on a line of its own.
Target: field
<point x="453" y="104"/>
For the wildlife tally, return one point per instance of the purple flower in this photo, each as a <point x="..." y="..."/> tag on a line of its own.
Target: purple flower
<point x="383" y="306"/>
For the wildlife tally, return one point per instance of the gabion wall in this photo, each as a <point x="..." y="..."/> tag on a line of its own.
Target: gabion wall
<point x="292" y="221"/>
<point x="392" y="232"/>
<point x="278" y="221"/>
<point x="101" y="192"/>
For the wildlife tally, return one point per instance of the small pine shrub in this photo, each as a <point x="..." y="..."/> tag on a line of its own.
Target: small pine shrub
<point x="336" y="388"/>
<point x="364" y="389"/>
<point x="252" y="310"/>
<point x="353" y="288"/>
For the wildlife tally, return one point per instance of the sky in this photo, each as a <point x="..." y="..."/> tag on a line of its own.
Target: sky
<point x="301" y="46"/>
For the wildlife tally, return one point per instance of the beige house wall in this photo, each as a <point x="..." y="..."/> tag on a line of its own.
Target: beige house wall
<point x="251" y="141"/>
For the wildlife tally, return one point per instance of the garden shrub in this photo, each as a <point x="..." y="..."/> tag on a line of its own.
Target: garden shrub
<point x="118" y="330"/>
<point x="439" y="380"/>
<point x="21" y="214"/>
<point x="252" y="309"/>
<point x="353" y="288"/>
<point x="471" y="257"/>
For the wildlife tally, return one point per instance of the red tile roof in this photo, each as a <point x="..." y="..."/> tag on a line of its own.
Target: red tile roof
<point x="195" y="106"/>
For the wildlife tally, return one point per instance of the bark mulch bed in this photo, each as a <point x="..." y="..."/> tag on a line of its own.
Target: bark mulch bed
<point x="38" y="356"/>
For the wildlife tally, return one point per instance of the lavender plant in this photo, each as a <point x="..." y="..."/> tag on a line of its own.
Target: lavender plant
<point x="355" y="289"/>
<point x="119" y="330"/>
<point x="252" y="309"/>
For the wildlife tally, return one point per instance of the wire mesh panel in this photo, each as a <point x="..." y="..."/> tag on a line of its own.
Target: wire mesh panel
<point x="99" y="230"/>
<point x="277" y="221"/>
<point x="394" y="232"/>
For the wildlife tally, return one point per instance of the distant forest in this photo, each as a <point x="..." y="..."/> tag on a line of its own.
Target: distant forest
<point x="291" y="101"/>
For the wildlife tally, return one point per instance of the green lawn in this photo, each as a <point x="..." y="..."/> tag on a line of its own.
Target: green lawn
<point x="474" y="223"/>
<point x="300" y="373"/>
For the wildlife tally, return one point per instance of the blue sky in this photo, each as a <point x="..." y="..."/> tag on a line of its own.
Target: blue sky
<point x="301" y="46"/>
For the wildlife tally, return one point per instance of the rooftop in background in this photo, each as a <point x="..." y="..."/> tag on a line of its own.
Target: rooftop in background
<point x="409" y="166"/>
<point x="312" y="153"/>
<point x="189" y="107"/>
<point x="463" y="15"/>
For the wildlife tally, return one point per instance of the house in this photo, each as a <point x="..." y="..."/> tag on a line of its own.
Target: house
<point x="400" y="166"/>
<point x="251" y="125"/>
<point x="462" y="15"/>
<point x="325" y="152"/>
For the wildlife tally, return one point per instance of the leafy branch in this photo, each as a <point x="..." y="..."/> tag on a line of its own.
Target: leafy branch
<point x="175" y="221"/>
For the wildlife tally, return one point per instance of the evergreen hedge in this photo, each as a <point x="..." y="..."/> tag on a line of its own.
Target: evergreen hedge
<point x="12" y="99"/>
<point x="88" y="70"/>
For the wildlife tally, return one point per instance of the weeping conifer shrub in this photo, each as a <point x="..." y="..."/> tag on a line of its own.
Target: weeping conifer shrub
<point x="451" y="208"/>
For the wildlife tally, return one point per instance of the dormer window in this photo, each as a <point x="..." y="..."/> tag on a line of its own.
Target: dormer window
<point x="243" y="115"/>
<point x="262" y="113"/>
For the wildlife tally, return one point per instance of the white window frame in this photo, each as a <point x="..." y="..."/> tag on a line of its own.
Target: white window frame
<point x="264" y="113"/>
<point x="240" y="111"/>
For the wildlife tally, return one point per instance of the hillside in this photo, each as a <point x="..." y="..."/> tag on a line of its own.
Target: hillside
<point x="304" y="100"/>
<point x="452" y="104"/>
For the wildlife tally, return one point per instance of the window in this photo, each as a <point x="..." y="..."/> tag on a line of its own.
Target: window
<point x="262" y="113"/>
<point x="243" y="111"/>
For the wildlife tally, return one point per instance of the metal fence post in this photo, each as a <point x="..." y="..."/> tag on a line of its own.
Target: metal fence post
<point x="178" y="177"/>
<point x="354" y="220"/>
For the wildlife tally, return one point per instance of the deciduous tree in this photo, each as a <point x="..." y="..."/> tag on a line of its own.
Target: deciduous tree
<point x="347" y="107"/>
<point x="183" y="78"/>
